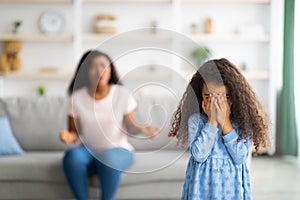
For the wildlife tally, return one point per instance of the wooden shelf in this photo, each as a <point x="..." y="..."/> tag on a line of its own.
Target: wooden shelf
<point x="147" y="76"/>
<point x="256" y="74"/>
<point x="36" y="1"/>
<point x="94" y="37"/>
<point x="227" y="1"/>
<point x="150" y="38"/>
<point x="38" y="75"/>
<point x="37" y="37"/>
<point x="127" y="1"/>
<point x="229" y="38"/>
<point x="249" y="74"/>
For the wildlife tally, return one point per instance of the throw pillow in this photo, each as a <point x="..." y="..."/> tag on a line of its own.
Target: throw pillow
<point x="8" y="143"/>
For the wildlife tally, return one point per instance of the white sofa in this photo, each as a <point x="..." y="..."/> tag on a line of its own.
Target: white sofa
<point x="158" y="171"/>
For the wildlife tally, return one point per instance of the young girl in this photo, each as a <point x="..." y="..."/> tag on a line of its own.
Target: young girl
<point x="219" y="116"/>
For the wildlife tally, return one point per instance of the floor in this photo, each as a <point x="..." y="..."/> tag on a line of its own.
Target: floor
<point x="275" y="178"/>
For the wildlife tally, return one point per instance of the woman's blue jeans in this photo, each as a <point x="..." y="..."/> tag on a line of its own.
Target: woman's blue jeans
<point x="79" y="163"/>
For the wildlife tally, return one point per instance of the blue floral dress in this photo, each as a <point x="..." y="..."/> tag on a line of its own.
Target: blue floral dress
<point x="217" y="169"/>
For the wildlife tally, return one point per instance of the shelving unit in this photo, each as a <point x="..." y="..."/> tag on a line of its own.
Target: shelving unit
<point x="146" y="38"/>
<point x="253" y="75"/>
<point x="37" y="37"/>
<point x="78" y="38"/>
<point x="229" y="38"/>
<point x="102" y="37"/>
<point x="38" y="75"/>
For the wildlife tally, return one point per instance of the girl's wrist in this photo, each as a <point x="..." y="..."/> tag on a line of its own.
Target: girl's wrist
<point x="227" y="127"/>
<point x="212" y="122"/>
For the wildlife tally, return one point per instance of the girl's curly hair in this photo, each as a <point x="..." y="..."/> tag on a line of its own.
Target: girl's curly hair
<point x="247" y="112"/>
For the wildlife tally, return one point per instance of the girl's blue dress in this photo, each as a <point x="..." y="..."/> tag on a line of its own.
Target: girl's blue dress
<point x="217" y="169"/>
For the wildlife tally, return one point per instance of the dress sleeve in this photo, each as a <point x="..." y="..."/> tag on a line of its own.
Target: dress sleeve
<point x="239" y="151"/>
<point x="202" y="137"/>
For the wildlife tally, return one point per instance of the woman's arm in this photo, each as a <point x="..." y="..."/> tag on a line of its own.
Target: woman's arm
<point x="133" y="128"/>
<point x="201" y="143"/>
<point x="70" y="136"/>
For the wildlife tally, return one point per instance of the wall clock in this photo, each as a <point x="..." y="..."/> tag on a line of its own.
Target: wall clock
<point x="51" y="22"/>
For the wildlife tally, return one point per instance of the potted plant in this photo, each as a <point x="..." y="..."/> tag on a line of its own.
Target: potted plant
<point x="201" y="54"/>
<point x="41" y="91"/>
<point x="17" y="24"/>
<point x="193" y="28"/>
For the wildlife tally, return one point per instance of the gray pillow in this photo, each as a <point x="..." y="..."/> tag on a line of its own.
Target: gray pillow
<point x="36" y="122"/>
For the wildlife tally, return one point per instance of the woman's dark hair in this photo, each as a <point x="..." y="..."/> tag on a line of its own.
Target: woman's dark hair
<point x="81" y="79"/>
<point x="247" y="112"/>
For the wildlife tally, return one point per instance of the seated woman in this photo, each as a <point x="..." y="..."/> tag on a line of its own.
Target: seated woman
<point x="99" y="106"/>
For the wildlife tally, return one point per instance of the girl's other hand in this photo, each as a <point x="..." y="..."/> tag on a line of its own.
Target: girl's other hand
<point x="68" y="137"/>
<point x="223" y="107"/>
<point x="210" y="109"/>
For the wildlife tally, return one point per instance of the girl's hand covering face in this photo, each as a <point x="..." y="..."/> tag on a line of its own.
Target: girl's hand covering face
<point x="217" y="108"/>
<point x="223" y="109"/>
<point x="216" y="103"/>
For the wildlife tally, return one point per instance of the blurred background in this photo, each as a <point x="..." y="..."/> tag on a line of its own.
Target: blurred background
<point x="156" y="45"/>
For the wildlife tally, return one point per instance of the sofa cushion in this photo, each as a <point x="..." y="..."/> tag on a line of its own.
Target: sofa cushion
<point x="8" y="143"/>
<point x="154" y="167"/>
<point x="36" y="122"/>
<point x="32" y="166"/>
<point x="47" y="167"/>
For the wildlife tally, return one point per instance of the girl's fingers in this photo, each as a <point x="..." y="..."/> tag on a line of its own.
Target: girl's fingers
<point x="218" y="103"/>
<point x="212" y="101"/>
<point x="223" y="101"/>
<point x="203" y="106"/>
<point x="209" y="100"/>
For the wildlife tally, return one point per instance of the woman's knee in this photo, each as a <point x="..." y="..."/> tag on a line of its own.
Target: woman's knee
<point x="74" y="156"/>
<point x="117" y="158"/>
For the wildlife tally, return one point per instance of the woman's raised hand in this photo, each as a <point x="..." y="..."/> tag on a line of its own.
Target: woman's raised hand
<point x="151" y="131"/>
<point x="68" y="137"/>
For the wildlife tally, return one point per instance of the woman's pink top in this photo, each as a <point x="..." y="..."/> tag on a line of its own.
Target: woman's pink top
<point x="100" y="122"/>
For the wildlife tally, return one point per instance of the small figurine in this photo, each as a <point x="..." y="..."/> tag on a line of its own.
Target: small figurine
<point x="208" y="26"/>
<point x="10" y="59"/>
